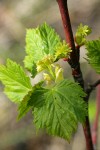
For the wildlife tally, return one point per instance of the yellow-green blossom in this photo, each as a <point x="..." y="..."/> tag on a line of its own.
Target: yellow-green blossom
<point x="62" y="50"/>
<point x="47" y="78"/>
<point x="58" y="73"/>
<point x="44" y="63"/>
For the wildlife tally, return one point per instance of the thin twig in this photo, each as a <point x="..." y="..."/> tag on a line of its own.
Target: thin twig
<point x="91" y="88"/>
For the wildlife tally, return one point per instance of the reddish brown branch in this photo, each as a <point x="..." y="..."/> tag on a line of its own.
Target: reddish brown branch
<point x="74" y="60"/>
<point x="67" y="27"/>
<point x="87" y="133"/>
<point x="74" y="63"/>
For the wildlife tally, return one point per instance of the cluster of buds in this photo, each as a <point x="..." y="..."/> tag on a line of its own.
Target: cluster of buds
<point x="62" y="50"/>
<point x="44" y="63"/>
<point x="58" y="75"/>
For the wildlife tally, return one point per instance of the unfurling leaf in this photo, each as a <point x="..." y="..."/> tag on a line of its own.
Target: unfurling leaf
<point x="93" y="54"/>
<point x="17" y="83"/>
<point x="57" y="110"/>
<point x="41" y="43"/>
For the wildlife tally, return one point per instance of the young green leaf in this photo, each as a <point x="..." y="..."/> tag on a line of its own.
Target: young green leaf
<point x="41" y="43"/>
<point x="82" y="32"/>
<point x="30" y="65"/>
<point x="93" y="54"/>
<point x="17" y="83"/>
<point x="27" y="104"/>
<point x="59" y="109"/>
<point x="23" y="106"/>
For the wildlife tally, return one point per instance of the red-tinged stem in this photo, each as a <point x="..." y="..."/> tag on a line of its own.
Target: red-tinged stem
<point x="78" y="52"/>
<point x="74" y="63"/>
<point x="74" y="60"/>
<point x="95" y="125"/>
<point x="67" y="27"/>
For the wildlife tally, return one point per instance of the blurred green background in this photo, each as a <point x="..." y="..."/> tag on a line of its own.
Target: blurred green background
<point x="15" y="17"/>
